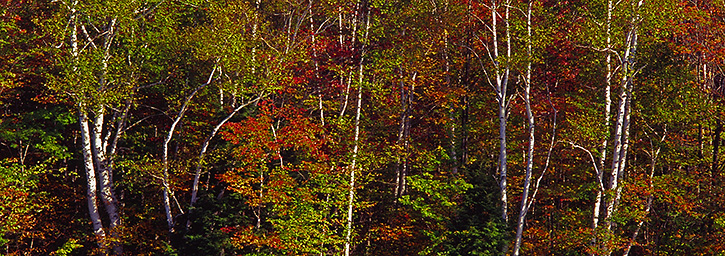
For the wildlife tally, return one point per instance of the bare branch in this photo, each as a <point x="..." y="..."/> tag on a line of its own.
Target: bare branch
<point x="594" y="162"/>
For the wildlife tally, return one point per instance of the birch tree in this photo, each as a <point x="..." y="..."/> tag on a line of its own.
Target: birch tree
<point x="351" y="195"/>
<point x="499" y="53"/>
<point x="620" y="62"/>
<point x="531" y="138"/>
<point x="250" y="78"/>
<point x="98" y="73"/>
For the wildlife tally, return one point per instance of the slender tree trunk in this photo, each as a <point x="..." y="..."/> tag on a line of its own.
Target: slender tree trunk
<point x="317" y="67"/>
<point x="87" y="146"/>
<point x="716" y="145"/>
<point x="403" y="142"/>
<point x="700" y="144"/>
<point x="351" y="193"/>
<point x="354" y="41"/>
<point x="607" y="117"/>
<point x="653" y="164"/>
<point x="501" y="76"/>
<point x="102" y="157"/>
<point x="167" y="193"/>
<point x="406" y="138"/>
<point x="254" y="36"/>
<point x="530" y="149"/>
<point x="625" y="141"/>
<point x="401" y="134"/>
<point x="616" y="152"/>
<point x="621" y="134"/>
<point x="202" y="154"/>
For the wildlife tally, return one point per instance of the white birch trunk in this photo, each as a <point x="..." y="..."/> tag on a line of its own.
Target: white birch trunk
<point x="202" y="154"/>
<point x="530" y="149"/>
<point x="205" y="146"/>
<point x="351" y="190"/>
<point x="502" y="76"/>
<point x="91" y="182"/>
<point x="403" y="141"/>
<point x="621" y="134"/>
<point x="607" y="117"/>
<point x="87" y="150"/>
<point x="167" y="193"/>
<point x="100" y="145"/>
<point x="317" y="66"/>
<point x="401" y="134"/>
<point x="106" y="179"/>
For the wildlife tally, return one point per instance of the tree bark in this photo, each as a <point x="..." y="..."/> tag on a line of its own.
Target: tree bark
<point x="205" y="146"/>
<point x="621" y="134"/>
<point x="607" y="119"/>
<point x="317" y="66"/>
<point x="403" y="142"/>
<point x="87" y="151"/>
<point x="654" y="154"/>
<point x="91" y="182"/>
<point x="501" y="86"/>
<point x="530" y="150"/>
<point x="356" y="148"/>
<point x="167" y="193"/>
<point x="106" y="179"/>
<point x="716" y="145"/>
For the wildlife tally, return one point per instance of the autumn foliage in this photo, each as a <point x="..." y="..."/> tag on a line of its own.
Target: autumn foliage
<point x="361" y="127"/>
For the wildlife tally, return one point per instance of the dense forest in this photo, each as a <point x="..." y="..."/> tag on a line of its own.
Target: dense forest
<point x="362" y="127"/>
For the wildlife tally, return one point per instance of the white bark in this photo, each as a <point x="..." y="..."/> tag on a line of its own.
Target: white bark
<point x="205" y="146"/>
<point x="403" y="141"/>
<point x="351" y="190"/>
<point x="91" y="182"/>
<point x="622" y="124"/>
<point x="106" y="177"/>
<point x="401" y="134"/>
<point x="621" y="134"/>
<point x="87" y="141"/>
<point x="607" y="117"/>
<point x="530" y="149"/>
<point x="202" y="154"/>
<point x="501" y="76"/>
<point x="167" y="193"/>
<point x="317" y="67"/>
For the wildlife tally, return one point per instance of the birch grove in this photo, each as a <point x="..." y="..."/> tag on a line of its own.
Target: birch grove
<point x="428" y="127"/>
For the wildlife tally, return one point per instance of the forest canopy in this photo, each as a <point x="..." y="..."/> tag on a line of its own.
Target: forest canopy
<point x="365" y="127"/>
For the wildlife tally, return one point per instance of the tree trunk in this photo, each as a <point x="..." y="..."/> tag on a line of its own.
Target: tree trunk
<point x="530" y="150"/>
<point x="621" y="134"/>
<point x="406" y="99"/>
<point x="351" y="190"/>
<point x="500" y="86"/>
<point x="607" y="117"/>
<point x="653" y="164"/>
<point x="167" y="193"/>
<point x="91" y="182"/>
<point x="202" y="153"/>
<point x="317" y="66"/>
<point x="106" y="179"/>
<point x="86" y="142"/>
<point x="401" y="135"/>
<point x="716" y="145"/>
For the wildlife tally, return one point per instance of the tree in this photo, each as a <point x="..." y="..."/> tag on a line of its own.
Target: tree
<point x="97" y="69"/>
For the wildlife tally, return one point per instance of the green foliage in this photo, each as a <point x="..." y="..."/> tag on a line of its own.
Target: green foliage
<point x="67" y="248"/>
<point x="464" y="214"/>
<point x="213" y="217"/>
<point x="20" y="202"/>
<point x="276" y="181"/>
